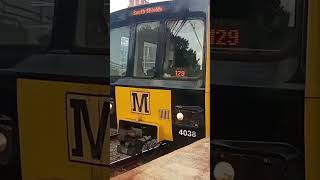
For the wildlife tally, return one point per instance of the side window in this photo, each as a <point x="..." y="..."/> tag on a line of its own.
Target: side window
<point x="119" y="47"/>
<point x="146" y="49"/>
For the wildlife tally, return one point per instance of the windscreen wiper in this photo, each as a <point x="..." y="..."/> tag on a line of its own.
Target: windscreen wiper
<point x="194" y="30"/>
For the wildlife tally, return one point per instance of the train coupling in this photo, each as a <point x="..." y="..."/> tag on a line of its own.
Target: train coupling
<point x="131" y="141"/>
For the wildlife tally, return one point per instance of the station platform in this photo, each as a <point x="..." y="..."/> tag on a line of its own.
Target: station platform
<point x="190" y="162"/>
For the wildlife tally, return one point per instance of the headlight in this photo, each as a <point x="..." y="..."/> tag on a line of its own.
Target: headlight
<point x="180" y="116"/>
<point x="3" y="142"/>
<point x="6" y="145"/>
<point x="111" y="104"/>
<point x="189" y="116"/>
<point x="224" y="171"/>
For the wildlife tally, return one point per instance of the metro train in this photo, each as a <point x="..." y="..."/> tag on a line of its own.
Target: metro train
<point x="159" y="65"/>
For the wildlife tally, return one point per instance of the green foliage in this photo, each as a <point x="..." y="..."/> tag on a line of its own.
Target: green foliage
<point x="185" y="57"/>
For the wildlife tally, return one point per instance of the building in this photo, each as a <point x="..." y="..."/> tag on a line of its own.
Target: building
<point x="137" y="2"/>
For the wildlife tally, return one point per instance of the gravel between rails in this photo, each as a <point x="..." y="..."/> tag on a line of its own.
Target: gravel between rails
<point x="114" y="155"/>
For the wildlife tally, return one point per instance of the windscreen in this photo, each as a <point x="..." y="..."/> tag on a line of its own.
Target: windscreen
<point x="184" y="49"/>
<point x="146" y="47"/>
<point x="252" y="24"/>
<point x="26" y="22"/>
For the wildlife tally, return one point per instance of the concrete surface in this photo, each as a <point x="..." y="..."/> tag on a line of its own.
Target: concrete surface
<point x="188" y="163"/>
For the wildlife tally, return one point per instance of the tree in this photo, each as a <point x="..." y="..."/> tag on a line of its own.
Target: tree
<point x="184" y="56"/>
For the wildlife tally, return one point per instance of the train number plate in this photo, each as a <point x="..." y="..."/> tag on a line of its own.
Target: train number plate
<point x="187" y="133"/>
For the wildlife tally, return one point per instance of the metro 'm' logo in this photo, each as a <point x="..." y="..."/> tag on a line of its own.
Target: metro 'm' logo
<point x="87" y="117"/>
<point x="140" y="102"/>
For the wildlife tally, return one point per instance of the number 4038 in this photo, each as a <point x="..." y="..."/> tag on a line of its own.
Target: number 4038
<point x="187" y="133"/>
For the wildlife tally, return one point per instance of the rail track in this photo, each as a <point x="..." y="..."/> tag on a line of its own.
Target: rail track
<point x="114" y="155"/>
<point x="113" y="137"/>
<point x="123" y="163"/>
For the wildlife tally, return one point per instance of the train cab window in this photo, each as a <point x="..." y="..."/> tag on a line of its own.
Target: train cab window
<point x="146" y="49"/>
<point x="257" y="42"/>
<point x="26" y="22"/>
<point x="184" y="49"/>
<point x="119" y="47"/>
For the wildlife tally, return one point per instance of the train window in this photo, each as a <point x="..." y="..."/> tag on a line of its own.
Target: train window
<point x="252" y="24"/>
<point x="184" y="49"/>
<point x="26" y="22"/>
<point x="92" y="25"/>
<point x="146" y="49"/>
<point x="119" y="46"/>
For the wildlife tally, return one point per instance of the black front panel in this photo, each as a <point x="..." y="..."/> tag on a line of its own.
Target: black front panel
<point x="258" y="114"/>
<point x="192" y="104"/>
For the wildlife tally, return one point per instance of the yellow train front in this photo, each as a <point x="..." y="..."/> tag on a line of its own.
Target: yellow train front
<point x="158" y="56"/>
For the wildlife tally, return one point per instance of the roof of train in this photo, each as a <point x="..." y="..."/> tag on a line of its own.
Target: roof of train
<point x="159" y="10"/>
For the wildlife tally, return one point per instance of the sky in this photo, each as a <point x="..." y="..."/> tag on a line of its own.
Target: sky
<point x="116" y="5"/>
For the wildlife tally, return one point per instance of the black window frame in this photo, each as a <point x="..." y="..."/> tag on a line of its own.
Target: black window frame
<point x="132" y="22"/>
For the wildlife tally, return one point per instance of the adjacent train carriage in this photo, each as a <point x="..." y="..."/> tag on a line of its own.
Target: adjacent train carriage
<point x="54" y="90"/>
<point x="159" y="65"/>
<point x="258" y="83"/>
